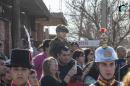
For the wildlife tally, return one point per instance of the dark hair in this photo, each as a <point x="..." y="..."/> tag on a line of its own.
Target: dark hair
<point x="61" y="48"/>
<point x="61" y="28"/>
<point x="74" y="43"/>
<point x="45" y="44"/>
<point x="86" y="53"/>
<point x="77" y="53"/>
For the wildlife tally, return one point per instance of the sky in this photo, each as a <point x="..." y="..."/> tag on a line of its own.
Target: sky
<point x="54" y="6"/>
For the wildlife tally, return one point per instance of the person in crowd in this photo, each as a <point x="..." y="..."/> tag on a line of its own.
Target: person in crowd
<point x="74" y="46"/>
<point x="38" y="59"/>
<point x="7" y="78"/>
<point x="89" y="55"/>
<point x="59" y="40"/>
<point x="126" y="79"/>
<point x="125" y="68"/>
<point x="121" y="52"/>
<point x="78" y="55"/>
<point x="33" y="78"/>
<point x="76" y="80"/>
<point x="90" y="72"/>
<point x="65" y="61"/>
<point x="20" y="67"/>
<point x="105" y="58"/>
<point x="51" y="74"/>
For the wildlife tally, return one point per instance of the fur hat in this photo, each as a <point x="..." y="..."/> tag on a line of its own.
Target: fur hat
<point x="21" y="58"/>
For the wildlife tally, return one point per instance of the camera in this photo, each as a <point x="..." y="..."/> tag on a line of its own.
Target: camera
<point x="71" y="63"/>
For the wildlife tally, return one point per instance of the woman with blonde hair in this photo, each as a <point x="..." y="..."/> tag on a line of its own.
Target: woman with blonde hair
<point x="126" y="79"/>
<point x="51" y="75"/>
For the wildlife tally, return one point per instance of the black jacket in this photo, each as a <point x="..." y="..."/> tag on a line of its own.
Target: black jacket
<point x="50" y="81"/>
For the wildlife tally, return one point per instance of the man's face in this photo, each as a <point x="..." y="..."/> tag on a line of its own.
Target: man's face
<point x="107" y="69"/>
<point x="64" y="57"/>
<point x="19" y="75"/>
<point x="121" y="53"/>
<point x="61" y="35"/>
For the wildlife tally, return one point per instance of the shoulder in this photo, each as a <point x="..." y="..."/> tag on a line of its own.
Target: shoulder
<point x="46" y="77"/>
<point x="119" y="83"/>
<point x="54" y="40"/>
<point x="38" y="57"/>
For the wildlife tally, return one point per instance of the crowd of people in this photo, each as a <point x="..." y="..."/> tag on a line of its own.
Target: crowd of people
<point x="63" y="63"/>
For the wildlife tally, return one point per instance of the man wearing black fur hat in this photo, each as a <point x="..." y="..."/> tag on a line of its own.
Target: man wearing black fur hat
<point x="20" y="65"/>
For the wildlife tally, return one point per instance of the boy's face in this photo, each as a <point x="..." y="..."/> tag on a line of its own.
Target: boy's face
<point x="107" y="69"/>
<point x="61" y="35"/>
<point x="19" y="75"/>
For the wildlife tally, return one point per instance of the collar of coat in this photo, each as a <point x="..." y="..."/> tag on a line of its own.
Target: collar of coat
<point x="27" y="84"/>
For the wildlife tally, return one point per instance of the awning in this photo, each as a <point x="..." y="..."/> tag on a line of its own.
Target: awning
<point x="35" y="8"/>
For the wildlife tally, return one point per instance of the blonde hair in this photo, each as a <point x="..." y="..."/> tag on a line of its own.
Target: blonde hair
<point x="126" y="79"/>
<point x="46" y="65"/>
